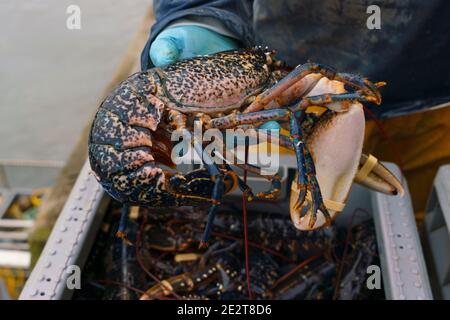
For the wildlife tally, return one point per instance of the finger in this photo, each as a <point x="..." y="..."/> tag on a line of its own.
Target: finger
<point x="164" y="51"/>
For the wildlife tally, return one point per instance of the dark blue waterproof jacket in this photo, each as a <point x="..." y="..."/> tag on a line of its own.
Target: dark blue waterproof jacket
<point x="411" y="51"/>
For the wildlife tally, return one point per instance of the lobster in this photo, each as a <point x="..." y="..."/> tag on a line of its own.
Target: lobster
<point x="130" y="138"/>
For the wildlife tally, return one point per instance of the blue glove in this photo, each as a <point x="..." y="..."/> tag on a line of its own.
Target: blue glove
<point x="187" y="41"/>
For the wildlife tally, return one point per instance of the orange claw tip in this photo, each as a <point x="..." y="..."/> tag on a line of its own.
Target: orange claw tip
<point x="380" y="84"/>
<point x="122" y="235"/>
<point x="374" y="99"/>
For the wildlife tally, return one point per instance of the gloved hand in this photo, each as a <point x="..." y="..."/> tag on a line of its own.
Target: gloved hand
<point x="187" y="41"/>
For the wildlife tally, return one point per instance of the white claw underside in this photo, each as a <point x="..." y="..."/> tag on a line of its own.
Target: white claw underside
<point x="336" y="147"/>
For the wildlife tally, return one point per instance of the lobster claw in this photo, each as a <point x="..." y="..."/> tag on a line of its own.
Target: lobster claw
<point x="336" y="147"/>
<point x="373" y="175"/>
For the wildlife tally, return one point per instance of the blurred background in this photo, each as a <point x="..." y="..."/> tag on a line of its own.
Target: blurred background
<point x="51" y="78"/>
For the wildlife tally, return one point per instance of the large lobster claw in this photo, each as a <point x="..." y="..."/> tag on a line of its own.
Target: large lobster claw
<point x="336" y="147"/>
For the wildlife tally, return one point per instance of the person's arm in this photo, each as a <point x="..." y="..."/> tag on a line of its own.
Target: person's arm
<point x="198" y="27"/>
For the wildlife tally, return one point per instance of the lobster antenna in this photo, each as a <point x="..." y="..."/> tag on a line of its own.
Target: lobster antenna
<point x="244" y="209"/>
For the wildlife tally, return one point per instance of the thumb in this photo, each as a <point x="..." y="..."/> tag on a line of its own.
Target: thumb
<point x="164" y="50"/>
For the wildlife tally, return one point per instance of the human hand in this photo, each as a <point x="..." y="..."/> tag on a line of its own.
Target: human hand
<point x="187" y="41"/>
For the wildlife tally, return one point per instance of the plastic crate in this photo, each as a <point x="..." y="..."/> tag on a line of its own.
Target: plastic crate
<point x="402" y="263"/>
<point x="437" y="233"/>
<point x="405" y="273"/>
<point x="14" y="252"/>
<point x="19" y="177"/>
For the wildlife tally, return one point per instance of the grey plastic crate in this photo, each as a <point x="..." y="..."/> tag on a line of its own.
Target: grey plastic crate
<point x="70" y="240"/>
<point x="405" y="274"/>
<point x="6" y="198"/>
<point x="437" y="232"/>
<point x="404" y="271"/>
<point x="13" y="234"/>
<point x="20" y="177"/>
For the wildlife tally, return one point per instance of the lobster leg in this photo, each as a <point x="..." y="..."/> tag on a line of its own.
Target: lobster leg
<point x="275" y="182"/>
<point x="216" y="198"/>
<point x="284" y="113"/>
<point x="217" y="192"/>
<point x="305" y="164"/>
<point x="275" y="188"/>
<point x="124" y="213"/>
<point x="363" y="85"/>
<point x="179" y="121"/>
<point x="329" y="98"/>
<point x="237" y="119"/>
<point x="242" y="185"/>
<point x="260" y="116"/>
<point x="306" y="171"/>
<point x="297" y="141"/>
